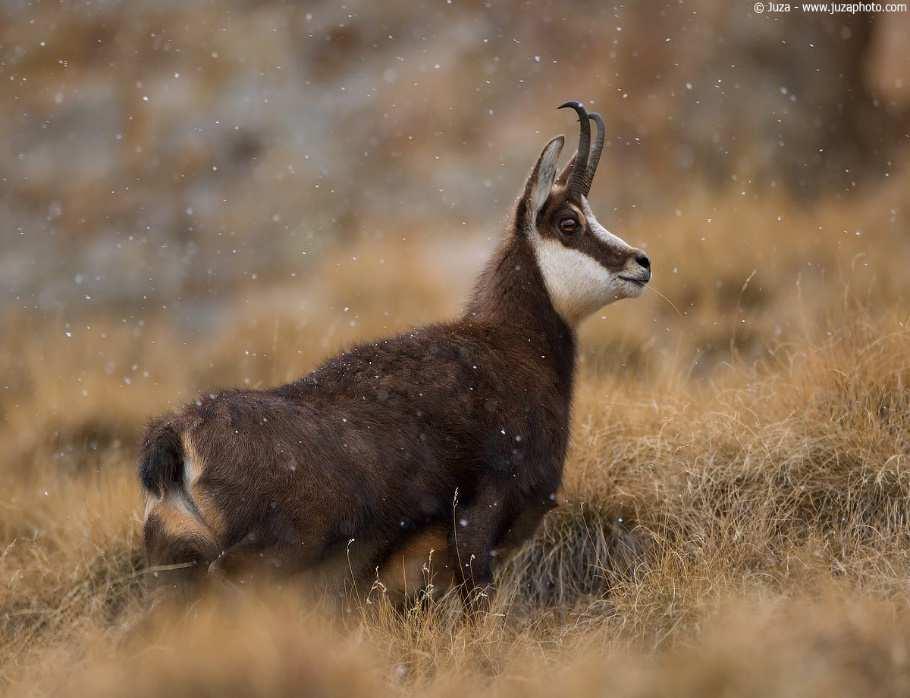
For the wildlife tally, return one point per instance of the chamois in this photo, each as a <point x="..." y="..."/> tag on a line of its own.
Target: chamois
<point x="452" y="435"/>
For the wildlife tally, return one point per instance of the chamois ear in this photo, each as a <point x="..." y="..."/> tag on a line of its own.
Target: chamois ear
<point x="566" y="171"/>
<point x="538" y="186"/>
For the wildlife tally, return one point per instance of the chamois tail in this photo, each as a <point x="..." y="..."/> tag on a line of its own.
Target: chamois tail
<point x="161" y="459"/>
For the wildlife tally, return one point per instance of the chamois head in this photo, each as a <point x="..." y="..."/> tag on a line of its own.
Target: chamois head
<point x="584" y="266"/>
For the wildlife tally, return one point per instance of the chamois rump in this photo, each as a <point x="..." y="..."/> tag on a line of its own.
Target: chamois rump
<point x="451" y="436"/>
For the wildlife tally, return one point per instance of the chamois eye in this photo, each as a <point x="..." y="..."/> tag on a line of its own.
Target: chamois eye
<point x="568" y="225"/>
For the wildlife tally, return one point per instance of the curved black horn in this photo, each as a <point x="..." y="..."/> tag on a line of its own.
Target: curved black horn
<point x="577" y="179"/>
<point x="596" y="150"/>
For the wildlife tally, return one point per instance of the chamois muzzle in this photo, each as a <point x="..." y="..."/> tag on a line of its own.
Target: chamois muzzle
<point x="587" y="157"/>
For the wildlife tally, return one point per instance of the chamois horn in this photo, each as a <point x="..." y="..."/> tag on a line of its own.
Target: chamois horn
<point x="596" y="150"/>
<point x="579" y="176"/>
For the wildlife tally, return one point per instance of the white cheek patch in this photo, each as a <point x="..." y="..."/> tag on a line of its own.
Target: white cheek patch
<point x="577" y="284"/>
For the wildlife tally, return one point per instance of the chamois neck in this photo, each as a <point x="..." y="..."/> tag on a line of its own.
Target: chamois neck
<point x="511" y="294"/>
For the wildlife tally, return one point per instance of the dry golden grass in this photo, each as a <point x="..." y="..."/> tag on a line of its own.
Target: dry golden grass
<point x="734" y="519"/>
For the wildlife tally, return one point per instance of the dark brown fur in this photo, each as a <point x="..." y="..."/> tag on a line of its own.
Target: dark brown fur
<point x="374" y="444"/>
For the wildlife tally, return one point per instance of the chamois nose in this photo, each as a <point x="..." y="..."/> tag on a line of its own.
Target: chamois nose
<point x="643" y="260"/>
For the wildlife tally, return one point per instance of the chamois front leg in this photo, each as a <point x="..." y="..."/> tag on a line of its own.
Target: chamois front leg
<point x="475" y="529"/>
<point x="523" y="527"/>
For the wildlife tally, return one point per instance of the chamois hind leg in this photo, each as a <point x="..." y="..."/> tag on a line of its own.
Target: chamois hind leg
<point x="265" y="553"/>
<point x="417" y="567"/>
<point x="178" y="546"/>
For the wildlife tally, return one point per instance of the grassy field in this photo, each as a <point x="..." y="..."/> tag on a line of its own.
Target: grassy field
<point x="734" y="519"/>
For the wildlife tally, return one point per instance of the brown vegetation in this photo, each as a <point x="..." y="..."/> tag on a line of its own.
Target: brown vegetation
<point x="734" y="520"/>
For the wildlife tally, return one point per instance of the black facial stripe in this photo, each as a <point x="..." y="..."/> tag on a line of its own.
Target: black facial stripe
<point x="610" y="256"/>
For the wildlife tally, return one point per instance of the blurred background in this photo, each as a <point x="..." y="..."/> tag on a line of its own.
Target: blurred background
<point x="159" y="153"/>
<point x="198" y="194"/>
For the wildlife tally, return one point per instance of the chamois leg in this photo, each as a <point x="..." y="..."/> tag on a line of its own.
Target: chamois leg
<point x="522" y="528"/>
<point x="475" y="530"/>
<point x="255" y="552"/>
